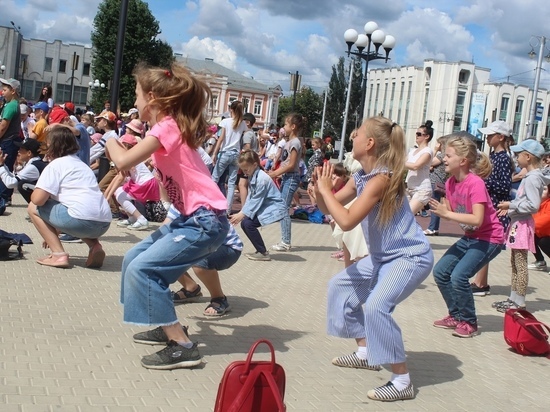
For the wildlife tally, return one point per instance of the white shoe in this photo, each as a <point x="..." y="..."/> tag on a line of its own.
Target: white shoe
<point x="137" y="225"/>
<point x="537" y="265"/>
<point x="281" y="247"/>
<point x="124" y="223"/>
<point x="429" y="232"/>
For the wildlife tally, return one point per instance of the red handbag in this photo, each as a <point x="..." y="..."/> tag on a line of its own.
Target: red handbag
<point x="251" y="386"/>
<point x="525" y="333"/>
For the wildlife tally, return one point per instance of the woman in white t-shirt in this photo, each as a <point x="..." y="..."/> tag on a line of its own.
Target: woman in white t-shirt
<point x="228" y="147"/>
<point x="67" y="199"/>
<point x="419" y="159"/>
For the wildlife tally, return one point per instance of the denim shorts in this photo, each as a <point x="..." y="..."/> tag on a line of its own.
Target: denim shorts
<point x="57" y="215"/>
<point x="223" y="258"/>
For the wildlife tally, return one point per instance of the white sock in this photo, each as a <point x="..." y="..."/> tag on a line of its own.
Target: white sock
<point x="519" y="300"/>
<point x="513" y="296"/>
<point x="142" y="220"/>
<point x="361" y="352"/>
<point x="400" y="381"/>
<point x="187" y="345"/>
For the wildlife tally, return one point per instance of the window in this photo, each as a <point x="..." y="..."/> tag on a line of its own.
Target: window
<point x="258" y="108"/>
<point x="400" y="107"/>
<point x="246" y="104"/>
<point x="86" y="69"/>
<point x="80" y="95"/>
<point x="48" y="64"/>
<point x="63" y="93"/>
<point x="390" y="114"/>
<point x="464" y="76"/>
<point x="62" y="66"/>
<point x="459" y="111"/>
<point x="504" y="108"/>
<point x="426" y="98"/>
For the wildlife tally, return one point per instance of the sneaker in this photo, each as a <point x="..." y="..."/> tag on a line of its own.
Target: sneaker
<point x="424" y="213"/>
<point x="480" y="291"/>
<point x="137" y="225"/>
<point x="173" y="356"/>
<point x="155" y="336"/>
<point x="465" y="330"/>
<point x="187" y="296"/>
<point x="281" y="247"/>
<point x="389" y="393"/>
<point x="124" y="223"/>
<point x="264" y="257"/>
<point x="353" y="361"/>
<point x="448" y="322"/>
<point x="429" y="232"/>
<point x="65" y="238"/>
<point x="537" y="265"/>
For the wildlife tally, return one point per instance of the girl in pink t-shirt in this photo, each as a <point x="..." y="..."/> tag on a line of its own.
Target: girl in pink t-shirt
<point x="468" y="204"/>
<point x="173" y="102"/>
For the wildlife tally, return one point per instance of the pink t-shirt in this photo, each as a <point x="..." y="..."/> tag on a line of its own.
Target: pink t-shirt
<point x="463" y="195"/>
<point x="183" y="173"/>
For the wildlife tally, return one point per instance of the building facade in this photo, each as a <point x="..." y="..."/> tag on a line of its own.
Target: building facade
<point x="227" y="86"/>
<point x="455" y="96"/>
<point x="66" y="67"/>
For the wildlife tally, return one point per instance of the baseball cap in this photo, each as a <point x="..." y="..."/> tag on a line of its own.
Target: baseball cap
<point x="32" y="145"/>
<point x="41" y="106"/>
<point x="132" y="111"/>
<point x="128" y="138"/>
<point x="529" y="145"/>
<point x="135" y="125"/>
<point x="497" y="126"/>
<point x="14" y="84"/>
<point x="107" y="115"/>
<point x="57" y="115"/>
<point x="69" y="107"/>
<point x="23" y="108"/>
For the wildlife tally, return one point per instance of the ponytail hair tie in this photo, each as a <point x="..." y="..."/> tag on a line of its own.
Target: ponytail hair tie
<point x="168" y="73"/>
<point x="393" y="125"/>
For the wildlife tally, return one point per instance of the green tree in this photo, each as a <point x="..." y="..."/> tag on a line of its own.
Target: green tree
<point x="336" y="100"/>
<point x="140" y="44"/>
<point x="308" y="104"/>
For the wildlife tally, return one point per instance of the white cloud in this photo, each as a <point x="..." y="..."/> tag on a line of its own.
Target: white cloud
<point x="208" y="48"/>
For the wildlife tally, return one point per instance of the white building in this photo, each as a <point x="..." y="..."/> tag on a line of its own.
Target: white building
<point x="455" y="96"/>
<point x="66" y="67"/>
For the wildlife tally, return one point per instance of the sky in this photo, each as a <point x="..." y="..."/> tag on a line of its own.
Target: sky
<point x="267" y="39"/>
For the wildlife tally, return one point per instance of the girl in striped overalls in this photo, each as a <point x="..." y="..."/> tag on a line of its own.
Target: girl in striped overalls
<point x="362" y="298"/>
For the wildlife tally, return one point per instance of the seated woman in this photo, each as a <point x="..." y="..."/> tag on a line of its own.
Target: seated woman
<point x="67" y="199"/>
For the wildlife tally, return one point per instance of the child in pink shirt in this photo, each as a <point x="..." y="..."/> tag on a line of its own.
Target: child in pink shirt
<point x="173" y="102"/>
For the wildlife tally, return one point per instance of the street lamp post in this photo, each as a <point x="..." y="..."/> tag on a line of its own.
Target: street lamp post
<point x="532" y="54"/>
<point x="18" y="50"/>
<point x="372" y="37"/>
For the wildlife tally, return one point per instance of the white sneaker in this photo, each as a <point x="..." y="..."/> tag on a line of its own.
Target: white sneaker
<point x="537" y="265"/>
<point x="137" y="225"/>
<point x="281" y="247"/>
<point x="429" y="232"/>
<point x="124" y="223"/>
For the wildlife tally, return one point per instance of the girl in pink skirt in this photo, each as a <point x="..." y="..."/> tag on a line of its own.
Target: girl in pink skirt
<point x="141" y="186"/>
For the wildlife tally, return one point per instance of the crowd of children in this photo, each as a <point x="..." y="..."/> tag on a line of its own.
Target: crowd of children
<point x="77" y="174"/>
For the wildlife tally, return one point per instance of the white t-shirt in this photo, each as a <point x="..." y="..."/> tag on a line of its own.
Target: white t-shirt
<point x="204" y="156"/>
<point x="97" y="150"/>
<point x="232" y="139"/>
<point x="141" y="174"/>
<point x="419" y="179"/>
<point x="73" y="184"/>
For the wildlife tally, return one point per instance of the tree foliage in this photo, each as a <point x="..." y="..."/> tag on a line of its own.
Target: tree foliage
<point x="308" y="104"/>
<point x="140" y="44"/>
<point x="336" y="101"/>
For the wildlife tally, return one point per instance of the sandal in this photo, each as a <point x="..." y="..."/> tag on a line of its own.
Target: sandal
<point x="220" y="305"/>
<point x="184" y="296"/>
<point x="504" y="306"/>
<point x="56" y="260"/>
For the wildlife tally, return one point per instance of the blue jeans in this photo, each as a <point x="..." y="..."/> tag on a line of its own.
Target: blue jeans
<point x="226" y="161"/>
<point x="57" y="215"/>
<point x="289" y="185"/>
<point x="152" y="265"/>
<point x="453" y="272"/>
<point x="434" y="219"/>
<point x="8" y="148"/>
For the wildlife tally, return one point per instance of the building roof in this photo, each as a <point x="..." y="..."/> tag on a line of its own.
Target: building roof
<point x="238" y="81"/>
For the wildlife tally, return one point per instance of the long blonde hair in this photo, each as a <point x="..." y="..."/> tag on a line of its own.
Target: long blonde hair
<point x="479" y="162"/>
<point x="179" y="94"/>
<point x="390" y="153"/>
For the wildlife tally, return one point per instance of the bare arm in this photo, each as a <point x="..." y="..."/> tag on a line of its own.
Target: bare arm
<point x="420" y="163"/>
<point x="39" y="196"/>
<point x="126" y="159"/>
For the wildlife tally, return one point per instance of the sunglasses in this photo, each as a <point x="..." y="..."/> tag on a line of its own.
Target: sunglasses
<point x="420" y="134"/>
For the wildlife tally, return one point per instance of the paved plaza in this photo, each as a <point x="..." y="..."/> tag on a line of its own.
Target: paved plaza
<point x="63" y="346"/>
